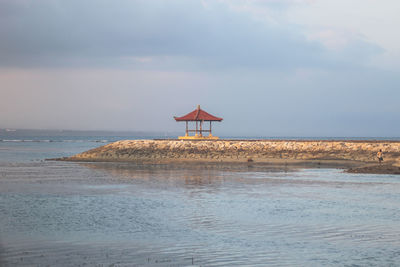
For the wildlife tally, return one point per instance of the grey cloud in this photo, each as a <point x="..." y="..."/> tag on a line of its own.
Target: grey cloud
<point x="173" y="33"/>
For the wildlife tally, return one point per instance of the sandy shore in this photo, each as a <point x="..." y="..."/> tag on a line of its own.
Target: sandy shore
<point x="356" y="156"/>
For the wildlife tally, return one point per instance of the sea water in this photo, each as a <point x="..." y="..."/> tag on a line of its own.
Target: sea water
<point x="126" y="214"/>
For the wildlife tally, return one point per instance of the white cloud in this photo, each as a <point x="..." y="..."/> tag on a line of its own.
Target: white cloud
<point x="337" y="24"/>
<point x="340" y="22"/>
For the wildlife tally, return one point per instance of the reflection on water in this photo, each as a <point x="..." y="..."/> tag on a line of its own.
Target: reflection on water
<point x="61" y="213"/>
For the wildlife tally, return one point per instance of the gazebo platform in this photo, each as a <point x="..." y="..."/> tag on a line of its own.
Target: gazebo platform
<point x="194" y="137"/>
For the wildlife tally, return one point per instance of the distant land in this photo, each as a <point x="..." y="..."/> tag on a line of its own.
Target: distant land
<point x="19" y="133"/>
<point x="45" y="132"/>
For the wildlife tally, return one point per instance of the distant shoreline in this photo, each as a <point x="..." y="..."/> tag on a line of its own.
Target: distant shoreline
<point x="299" y="139"/>
<point x="170" y="135"/>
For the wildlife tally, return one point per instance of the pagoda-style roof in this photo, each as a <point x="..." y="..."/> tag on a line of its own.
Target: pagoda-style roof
<point x="198" y="115"/>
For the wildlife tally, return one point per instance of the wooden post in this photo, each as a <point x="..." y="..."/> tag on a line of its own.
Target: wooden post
<point x="201" y="128"/>
<point x="187" y="133"/>
<point x="196" y="128"/>
<point x="210" y="128"/>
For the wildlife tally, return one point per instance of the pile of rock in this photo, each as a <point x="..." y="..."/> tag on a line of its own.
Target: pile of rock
<point x="240" y="150"/>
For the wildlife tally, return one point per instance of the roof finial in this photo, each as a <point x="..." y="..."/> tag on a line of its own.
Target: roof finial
<point x="198" y="106"/>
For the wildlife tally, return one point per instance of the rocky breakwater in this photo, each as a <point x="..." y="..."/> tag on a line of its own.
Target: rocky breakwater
<point x="261" y="151"/>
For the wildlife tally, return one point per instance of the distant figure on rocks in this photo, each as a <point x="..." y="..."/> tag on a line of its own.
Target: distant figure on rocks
<point x="379" y="155"/>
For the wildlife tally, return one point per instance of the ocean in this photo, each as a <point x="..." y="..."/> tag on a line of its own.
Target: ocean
<point x="128" y="214"/>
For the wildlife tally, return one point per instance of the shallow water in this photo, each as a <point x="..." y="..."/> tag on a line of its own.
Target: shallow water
<point x="61" y="213"/>
<point x="100" y="214"/>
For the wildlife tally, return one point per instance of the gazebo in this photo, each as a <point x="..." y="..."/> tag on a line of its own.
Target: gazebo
<point x="199" y="116"/>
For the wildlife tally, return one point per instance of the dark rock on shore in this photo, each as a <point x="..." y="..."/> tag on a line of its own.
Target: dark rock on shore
<point x="376" y="169"/>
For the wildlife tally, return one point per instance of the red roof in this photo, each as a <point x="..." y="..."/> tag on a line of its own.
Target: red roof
<point x="198" y="115"/>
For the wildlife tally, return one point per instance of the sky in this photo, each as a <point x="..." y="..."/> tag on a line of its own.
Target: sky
<point x="268" y="67"/>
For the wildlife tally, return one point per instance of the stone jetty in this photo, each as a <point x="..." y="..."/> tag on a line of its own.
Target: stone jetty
<point x="257" y="151"/>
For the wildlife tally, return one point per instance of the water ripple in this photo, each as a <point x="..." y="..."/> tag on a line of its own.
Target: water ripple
<point x="60" y="213"/>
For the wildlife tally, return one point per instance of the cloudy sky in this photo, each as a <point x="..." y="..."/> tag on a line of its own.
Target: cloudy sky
<point x="268" y="67"/>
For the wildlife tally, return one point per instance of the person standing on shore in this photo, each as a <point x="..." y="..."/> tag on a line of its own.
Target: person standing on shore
<point x="379" y="155"/>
